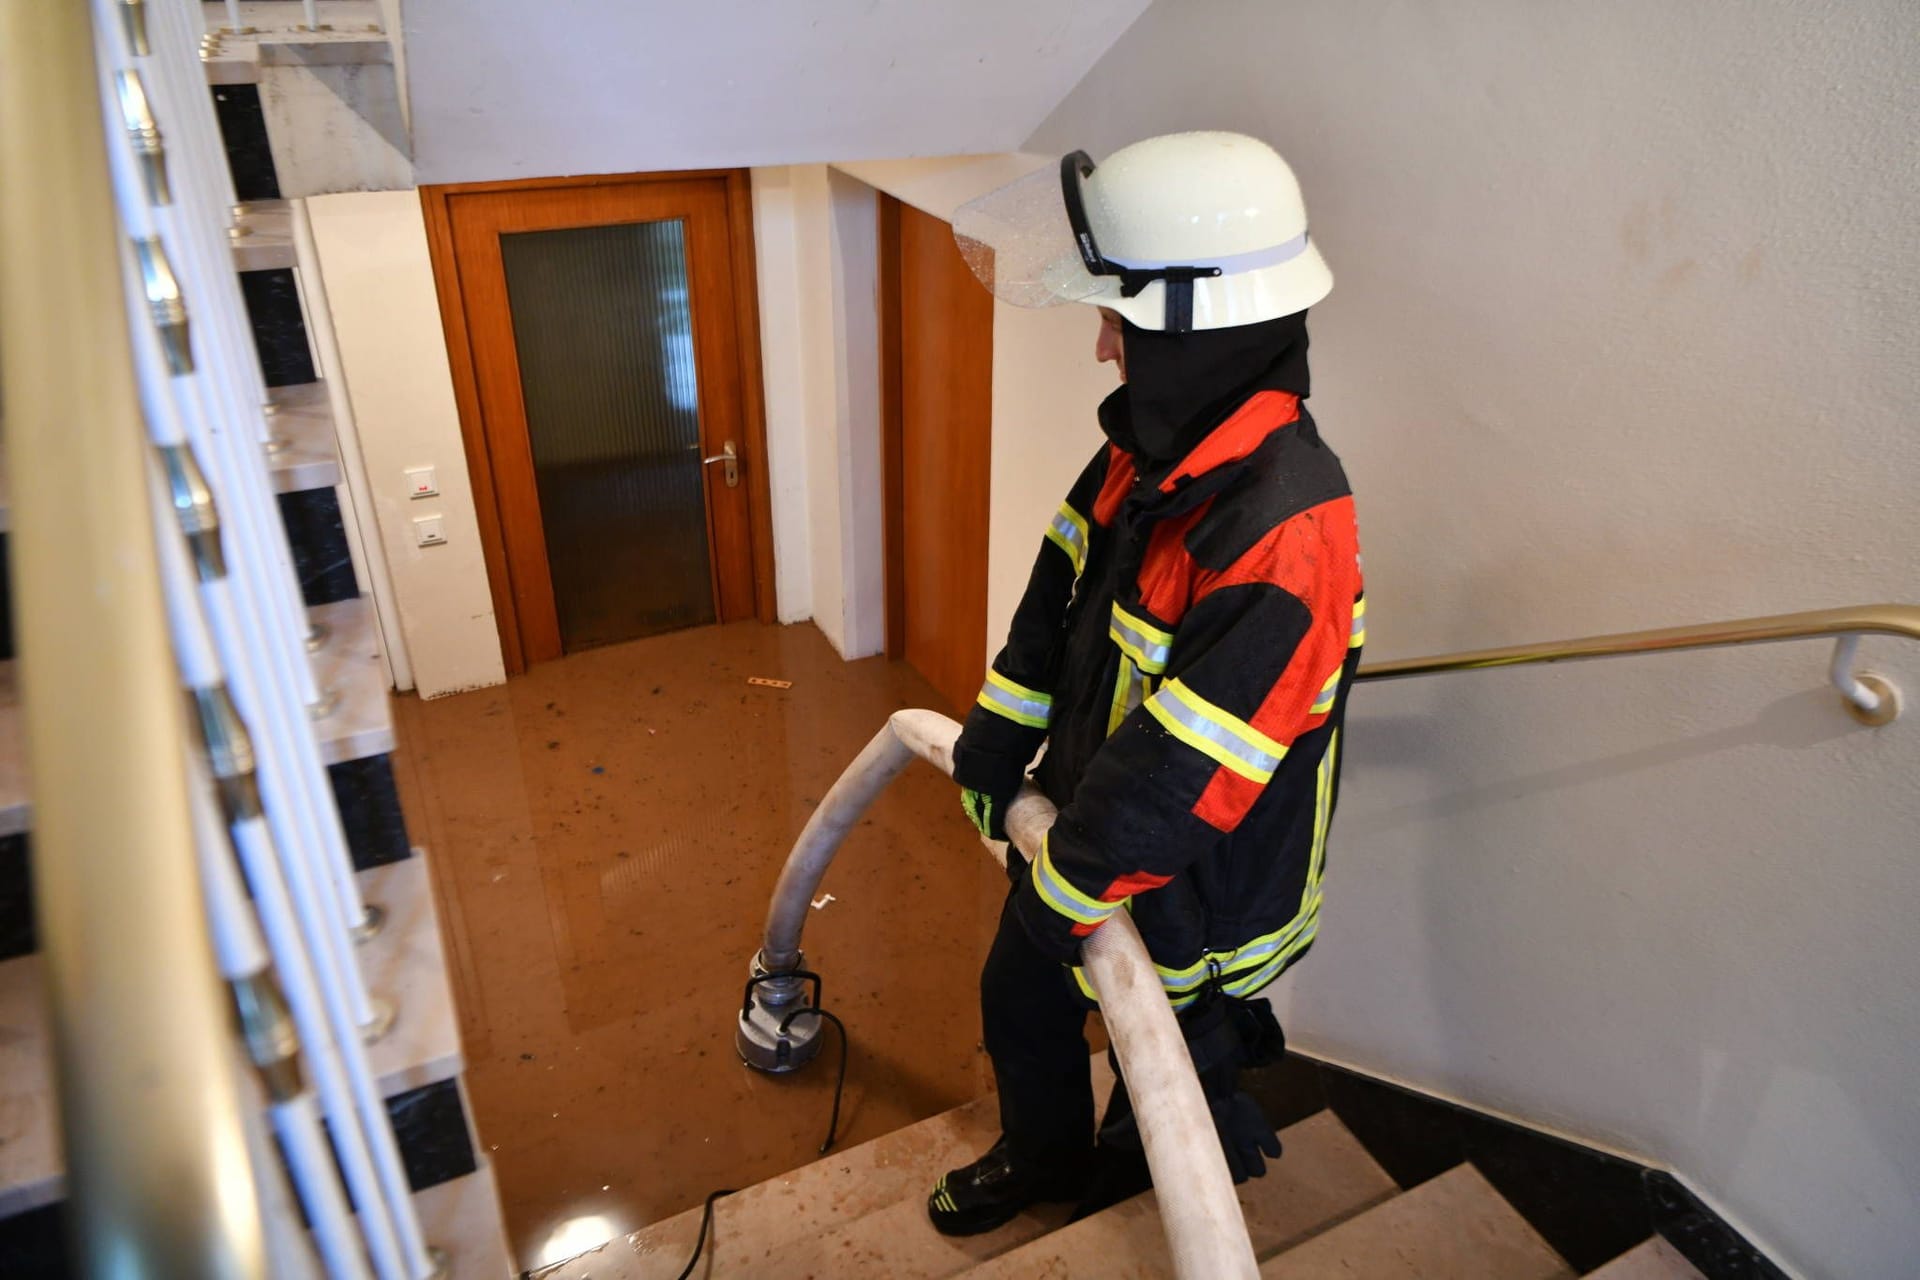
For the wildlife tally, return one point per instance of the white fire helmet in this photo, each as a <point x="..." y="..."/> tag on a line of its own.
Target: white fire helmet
<point x="1181" y="232"/>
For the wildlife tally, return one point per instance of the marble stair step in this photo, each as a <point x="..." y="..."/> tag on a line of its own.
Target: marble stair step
<point x="461" y="1217"/>
<point x="898" y="1240"/>
<point x="16" y="797"/>
<point x="347" y="668"/>
<point x="1654" y="1260"/>
<point x="30" y="1159"/>
<point x="1324" y="1178"/>
<point x="404" y="962"/>
<point x="263" y="236"/>
<point x="1453" y="1227"/>
<point x="304" y="454"/>
<point x="765" y="1229"/>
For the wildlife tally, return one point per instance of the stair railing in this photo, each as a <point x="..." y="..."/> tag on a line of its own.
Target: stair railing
<point x="149" y="560"/>
<point x="143" y="1051"/>
<point x="205" y="399"/>
<point x="1869" y="698"/>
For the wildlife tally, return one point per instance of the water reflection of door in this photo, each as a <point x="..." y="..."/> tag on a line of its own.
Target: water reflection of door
<point x="607" y="401"/>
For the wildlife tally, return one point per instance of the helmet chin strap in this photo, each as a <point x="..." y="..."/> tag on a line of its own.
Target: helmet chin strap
<point x="1179" y="294"/>
<point x="1075" y="166"/>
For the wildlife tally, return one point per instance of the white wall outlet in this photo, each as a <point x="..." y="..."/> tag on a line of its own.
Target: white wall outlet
<point x="429" y="531"/>
<point x="421" y="483"/>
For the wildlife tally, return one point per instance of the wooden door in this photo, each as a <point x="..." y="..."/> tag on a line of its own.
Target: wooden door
<point x="605" y="343"/>
<point x="937" y="334"/>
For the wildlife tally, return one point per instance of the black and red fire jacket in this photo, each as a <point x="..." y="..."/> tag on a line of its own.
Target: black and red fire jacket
<point x="1184" y="650"/>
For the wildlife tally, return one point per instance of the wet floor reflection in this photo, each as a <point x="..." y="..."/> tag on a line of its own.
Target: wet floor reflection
<point x="604" y="834"/>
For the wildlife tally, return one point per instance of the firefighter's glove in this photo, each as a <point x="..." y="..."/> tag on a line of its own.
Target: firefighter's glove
<point x="1216" y="1033"/>
<point x="1246" y="1137"/>
<point x="988" y="813"/>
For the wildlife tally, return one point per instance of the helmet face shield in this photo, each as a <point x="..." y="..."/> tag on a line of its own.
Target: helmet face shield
<point x="1190" y="230"/>
<point x="1020" y="242"/>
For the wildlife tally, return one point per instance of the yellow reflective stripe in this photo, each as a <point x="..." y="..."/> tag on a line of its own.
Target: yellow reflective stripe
<point x="1252" y="982"/>
<point x="1358" y="636"/>
<point x="1015" y="701"/>
<point x="1271" y="953"/>
<point x="1216" y="733"/>
<point x="1328" y="691"/>
<point x="1086" y="988"/>
<point x="1323" y="812"/>
<point x="1140" y="640"/>
<point x="1059" y="894"/>
<point x="1068" y="531"/>
<point x="1129" y="691"/>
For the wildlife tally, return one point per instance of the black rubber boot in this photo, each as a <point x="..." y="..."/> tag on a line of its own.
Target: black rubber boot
<point x="1119" y="1173"/>
<point x="993" y="1190"/>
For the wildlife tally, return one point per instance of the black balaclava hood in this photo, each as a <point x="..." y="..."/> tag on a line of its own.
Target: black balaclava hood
<point x="1180" y="386"/>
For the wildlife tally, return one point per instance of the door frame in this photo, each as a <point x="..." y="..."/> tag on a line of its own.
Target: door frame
<point x="435" y="202"/>
<point x="893" y="539"/>
<point x="892" y="312"/>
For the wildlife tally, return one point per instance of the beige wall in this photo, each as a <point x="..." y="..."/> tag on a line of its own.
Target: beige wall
<point x="1045" y="382"/>
<point x="1622" y="335"/>
<point x="1046" y="385"/>
<point x="814" y="233"/>
<point x="379" y="280"/>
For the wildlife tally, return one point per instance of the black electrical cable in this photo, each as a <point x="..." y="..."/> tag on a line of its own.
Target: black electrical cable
<point x="833" y="1124"/>
<point x="700" y="1241"/>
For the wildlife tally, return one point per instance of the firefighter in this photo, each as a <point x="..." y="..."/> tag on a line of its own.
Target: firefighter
<point x="1183" y="652"/>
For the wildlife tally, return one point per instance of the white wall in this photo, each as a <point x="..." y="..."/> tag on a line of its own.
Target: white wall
<point x="1046" y="382"/>
<point x="779" y="209"/>
<point x="500" y="90"/>
<point x="1623" y="334"/>
<point x="379" y="280"/>
<point x="939" y="186"/>
<point x="1046" y="387"/>
<point x="815" y="241"/>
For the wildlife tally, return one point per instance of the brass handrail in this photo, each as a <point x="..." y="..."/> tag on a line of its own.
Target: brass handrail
<point x="1844" y="624"/>
<point x="159" y="1177"/>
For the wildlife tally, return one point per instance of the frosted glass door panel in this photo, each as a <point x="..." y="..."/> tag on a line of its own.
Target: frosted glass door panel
<point x="603" y="329"/>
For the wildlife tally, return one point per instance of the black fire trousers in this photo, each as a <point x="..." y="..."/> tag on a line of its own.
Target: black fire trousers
<point x="1034" y="1020"/>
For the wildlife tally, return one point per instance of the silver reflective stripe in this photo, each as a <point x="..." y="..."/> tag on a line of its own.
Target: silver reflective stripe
<point x="1233" y="263"/>
<point x="1150" y="651"/>
<point x="1016" y="702"/>
<point x="1071" y="533"/>
<point x="1171" y="706"/>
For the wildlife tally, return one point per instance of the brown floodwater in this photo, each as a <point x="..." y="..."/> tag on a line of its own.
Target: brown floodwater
<point x="604" y="833"/>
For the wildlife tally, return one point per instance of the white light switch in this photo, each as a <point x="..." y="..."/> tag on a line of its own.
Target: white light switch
<point x="428" y="531"/>
<point x="421" y="483"/>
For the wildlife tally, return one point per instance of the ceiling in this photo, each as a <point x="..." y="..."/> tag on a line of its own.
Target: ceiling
<point x="507" y="90"/>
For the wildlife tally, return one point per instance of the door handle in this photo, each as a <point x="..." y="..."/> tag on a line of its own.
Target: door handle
<point x="731" y="457"/>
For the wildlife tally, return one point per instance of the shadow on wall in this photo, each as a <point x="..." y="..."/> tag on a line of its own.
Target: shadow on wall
<point x="1582" y="925"/>
<point x="1794" y="723"/>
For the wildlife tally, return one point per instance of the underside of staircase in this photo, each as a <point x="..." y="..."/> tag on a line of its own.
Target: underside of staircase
<point x="1327" y="1208"/>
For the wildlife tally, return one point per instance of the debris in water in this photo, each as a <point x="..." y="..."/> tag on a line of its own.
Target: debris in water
<point x="599" y="769"/>
<point x="823" y="901"/>
<point x="765" y="683"/>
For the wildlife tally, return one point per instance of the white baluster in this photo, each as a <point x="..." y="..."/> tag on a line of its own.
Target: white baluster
<point x="239" y="950"/>
<point x="311" y="947"/>
<point x="233" y="380"/>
